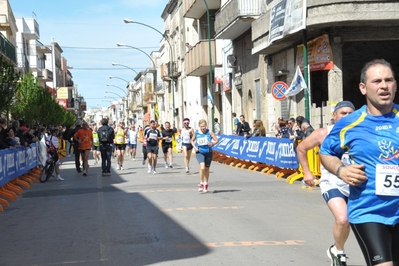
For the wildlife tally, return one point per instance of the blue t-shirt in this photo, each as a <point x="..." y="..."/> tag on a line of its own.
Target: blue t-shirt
<point x="202" y="140"/>
<point x="374" y="142"/>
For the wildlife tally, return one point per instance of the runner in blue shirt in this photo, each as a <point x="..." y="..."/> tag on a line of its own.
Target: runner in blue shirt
<point x="203" y="140"/>
<point x="370" y="136"/>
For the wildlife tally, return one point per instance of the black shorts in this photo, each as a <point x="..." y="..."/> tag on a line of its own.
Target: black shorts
<point x="188" y="146"/>
<point x="96" y="148"/>
<point x="152" y="149"/>
<point x="166" y="147"/>
<point x="120" y="147"/>
<point x="378" y="242"/>
<point x="204" y="158"/>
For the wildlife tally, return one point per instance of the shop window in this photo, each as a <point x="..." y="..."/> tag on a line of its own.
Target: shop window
<point x="319" y="87"/>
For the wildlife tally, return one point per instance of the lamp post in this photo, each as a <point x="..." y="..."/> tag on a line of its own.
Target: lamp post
<point x="153" y="65"/>
<point x="127" y="97"/>
<point x="210" y="66"/>
<point x="171" y="58"/>
<point x="113" y="77"/>
<point x="132" y="69"/>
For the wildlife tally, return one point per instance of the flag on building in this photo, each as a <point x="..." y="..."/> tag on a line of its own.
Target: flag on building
<point x="297" y="84"/>
<point x="210" y="99"/>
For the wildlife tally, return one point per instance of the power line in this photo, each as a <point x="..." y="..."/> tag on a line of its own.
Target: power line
<point x="103" y="68"/>
<point x="106" y="48"/>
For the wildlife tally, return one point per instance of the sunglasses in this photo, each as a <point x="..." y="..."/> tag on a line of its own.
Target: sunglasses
<point x="186" y="123"/>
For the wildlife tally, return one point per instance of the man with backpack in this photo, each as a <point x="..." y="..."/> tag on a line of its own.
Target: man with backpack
<point x="106" y="136"/>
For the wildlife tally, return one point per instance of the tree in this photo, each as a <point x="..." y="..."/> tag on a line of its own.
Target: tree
<point x="8" y="85"/>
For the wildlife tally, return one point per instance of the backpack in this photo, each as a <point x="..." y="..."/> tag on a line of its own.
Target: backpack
<point x="103" y="134"/>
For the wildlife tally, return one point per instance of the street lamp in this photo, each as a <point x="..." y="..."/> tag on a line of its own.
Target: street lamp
<point x="112" y="77"/>
<point x="116" y="64"/>
<point x="124" y="92"/>
<point x="171" y="58"/>
<point x="153" y="64"/>
<point x="210" y="66"/>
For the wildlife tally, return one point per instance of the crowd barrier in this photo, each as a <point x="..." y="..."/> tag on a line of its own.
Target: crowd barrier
<point x="18" y="168"/>
<point x="264" y="154"/>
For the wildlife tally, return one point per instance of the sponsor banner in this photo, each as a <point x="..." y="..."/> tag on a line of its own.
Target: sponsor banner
<point x="287" y="17"/>
<point x="320" y="56"/>
<point x="271" y="151"/>
<point x="16" y="162"/>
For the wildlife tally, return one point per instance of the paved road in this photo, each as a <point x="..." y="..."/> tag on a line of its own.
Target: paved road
<point x="133" y="218"/>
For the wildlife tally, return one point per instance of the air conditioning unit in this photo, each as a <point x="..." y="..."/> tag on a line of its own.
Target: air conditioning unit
<point x="231" y="61"/>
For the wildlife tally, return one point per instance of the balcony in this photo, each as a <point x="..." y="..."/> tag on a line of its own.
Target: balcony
<point x="166" y="70"/>
<point x="196" y="60"/>
<point x="31" y="29"/>
<point x="46" y="75"/>
<point x="236" y="17"/>
<point x="149" y="97"/>
<point x="196" y="8"/>
<point x="7" y="49"/>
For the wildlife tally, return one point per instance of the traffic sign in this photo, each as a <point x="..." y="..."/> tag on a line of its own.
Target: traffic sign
<point x="278" y="90"/>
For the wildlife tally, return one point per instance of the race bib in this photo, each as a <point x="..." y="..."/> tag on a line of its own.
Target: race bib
<point x="168" y="140"/>
<point x="119" y="139"/>
<point x="186" y="139"/>
<point x="387" y="180"/>
<point x="153" y="136"/>
<point x="202" y="141"/>
<point x="95" y="140"/>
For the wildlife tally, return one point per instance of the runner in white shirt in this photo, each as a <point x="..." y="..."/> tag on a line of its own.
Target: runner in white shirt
<point x="133" y="136"/>
<point x="186" y="133"/>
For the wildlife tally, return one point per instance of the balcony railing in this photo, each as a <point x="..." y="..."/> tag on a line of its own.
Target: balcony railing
<point x="166" y="70"/>
<point x="197" y="59"/>
<point x="236" y="17"/>
<point x="197" y="8"/>
<point x="7" y="49"/>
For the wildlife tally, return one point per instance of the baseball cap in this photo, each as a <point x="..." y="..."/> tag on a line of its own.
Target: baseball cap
<point x="24" y="128"/>
<point x="343" y="104"/>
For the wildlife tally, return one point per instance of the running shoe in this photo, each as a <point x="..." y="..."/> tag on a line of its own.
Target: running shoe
<point x="336" y="259"/>
<point x="205" y="188"/>
<point x="60" y="178"/>
<point x="84" y="173"/>
<point x="154" y="172"/>
<point x="121" y="168"/>
<point x="171" y="165"/>
<point x="200" y="188"/>
<point x="143" y="162"/>
<point x="118" y="168"/>
<point x="187" y="170"/>
<point x="149" y="170"/>
<point x="166" y="165"/>
<point x="134" y="159"/>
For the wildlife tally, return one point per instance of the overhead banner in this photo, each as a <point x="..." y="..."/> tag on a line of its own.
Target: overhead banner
<point x="271" y="151"/>
<point x="287" y="17"/>
<point x="320" y="55"/>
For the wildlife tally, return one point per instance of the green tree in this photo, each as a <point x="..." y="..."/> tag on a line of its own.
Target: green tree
<point x="8" y="85"/>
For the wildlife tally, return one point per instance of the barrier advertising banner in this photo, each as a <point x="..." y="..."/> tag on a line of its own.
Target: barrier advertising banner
<point x="271" y="151"/>
<point x="16" y="162"/>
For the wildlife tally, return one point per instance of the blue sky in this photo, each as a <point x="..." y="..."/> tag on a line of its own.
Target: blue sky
<point x="88" y="30"/>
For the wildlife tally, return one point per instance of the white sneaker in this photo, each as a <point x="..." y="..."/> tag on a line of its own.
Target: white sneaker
<point x="121" y="168"/>
<point x="171" y="165"/>
<point x="154" y="172"/>
<point x="118" y="168"/>
<point x="166" y="165"/>
<point x="149" y="170"/>
<point x="69" y="156"/>
<point x="60" y="178"/>
<point x="134" y="159"/>
<point x="187" y="170"/>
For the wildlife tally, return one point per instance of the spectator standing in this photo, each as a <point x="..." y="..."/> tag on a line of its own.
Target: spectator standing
<point x="3" y="133"/>
<point x="235" y="123"/>
<point x="216" y="126"/>
<point x="106" y="139"/>
<point x="75" y="145"/>
<point x="243" y="127"/>
<point x="84" y="137"/>
<point x="259" y="130"/>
